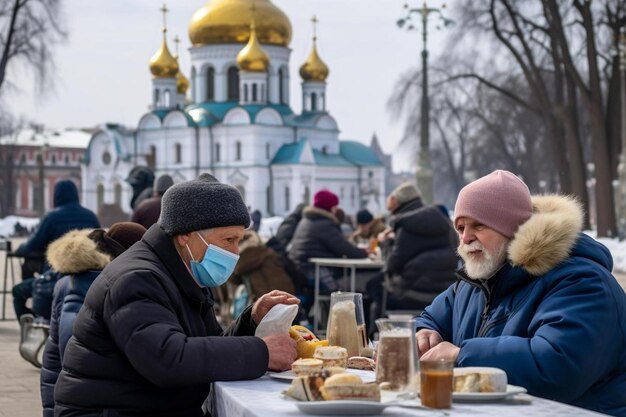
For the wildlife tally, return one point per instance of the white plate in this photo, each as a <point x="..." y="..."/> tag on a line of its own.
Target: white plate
<point x="366" y="376"/>
<point x="487" y="396"/>
<point x="341" y="408"/>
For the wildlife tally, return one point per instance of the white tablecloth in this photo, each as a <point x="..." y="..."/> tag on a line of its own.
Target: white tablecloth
<point x="261" y="398"/>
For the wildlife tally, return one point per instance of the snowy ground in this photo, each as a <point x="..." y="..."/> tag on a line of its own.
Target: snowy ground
<point x="269" y="226"/>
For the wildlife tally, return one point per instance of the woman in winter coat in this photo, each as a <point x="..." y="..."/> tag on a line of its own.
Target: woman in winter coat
<point x="80" y="255"/>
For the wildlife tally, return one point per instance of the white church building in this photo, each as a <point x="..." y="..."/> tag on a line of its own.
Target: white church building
<point x="236" y="121"/>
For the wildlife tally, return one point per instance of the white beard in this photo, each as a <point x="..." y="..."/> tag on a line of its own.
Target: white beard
<point x="485" y="268"/>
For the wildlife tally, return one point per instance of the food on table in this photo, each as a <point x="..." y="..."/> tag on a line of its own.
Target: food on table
<point x="306" y="341"/>
<point x="349" y="387"/>
<point x="332" y="356"/>
<point x="479" y="379"/>
<point x="343" y="327"/>
<point x="307" y="387"/>
<point x="361" y="362"/>
<point x="306" y="366"/>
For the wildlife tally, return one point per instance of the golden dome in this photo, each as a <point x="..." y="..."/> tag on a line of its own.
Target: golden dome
<point x="228" y="21"/>
<point x="314" y="69"/>
<point x="182" y="83"/>
<point x="252" y="57"/>
<point x="162" y="63"/>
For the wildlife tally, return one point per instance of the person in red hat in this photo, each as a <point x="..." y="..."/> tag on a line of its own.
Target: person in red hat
<point x="319" y="235"/>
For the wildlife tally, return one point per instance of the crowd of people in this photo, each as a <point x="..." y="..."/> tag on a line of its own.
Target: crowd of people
<point x="134" y="327"/>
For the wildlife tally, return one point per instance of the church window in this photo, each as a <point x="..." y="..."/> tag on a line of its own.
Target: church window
<point x="217" y="152"/>
<point x="118" y="194"/>
<point x="313" y="102"/>
<point x="106" y="158"/>
<point x="151" y="157"/>
<point x="254" y="92"/>
<point x="245" y="92"/>
<point x="178" y="152"/>
<point x="100" y="196"/>
<point x="53" y="159"/>
<point x="233" y="84"/>
<point x="325" y="150"/>
<point x="267" y="151"/>
<point x="281" y="86"/>
<point x="193" y="83"/>
<point x="67" y="159"/>
<point x="210" y="84"/>
<point x="166" y="98"/>
<point x="370" y="174"/>
<point x="156" y="97"/>
<point x="287" y="196"/>
<point x="238" y="151"/>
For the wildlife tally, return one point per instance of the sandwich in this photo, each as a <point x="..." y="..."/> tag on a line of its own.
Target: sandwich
<point x="349" y="387"/>
<point x="332" y="356"/>
<point x="479" y="379"/>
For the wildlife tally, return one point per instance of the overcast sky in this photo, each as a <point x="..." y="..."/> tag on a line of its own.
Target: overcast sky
<point x="103" y="75"/>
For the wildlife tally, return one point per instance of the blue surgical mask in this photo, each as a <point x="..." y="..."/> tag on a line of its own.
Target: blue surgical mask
<point x="216" y="266"/>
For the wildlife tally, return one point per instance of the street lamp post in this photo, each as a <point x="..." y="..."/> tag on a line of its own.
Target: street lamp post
<point x="621" y="168"/>
<point x="424" y="174"/>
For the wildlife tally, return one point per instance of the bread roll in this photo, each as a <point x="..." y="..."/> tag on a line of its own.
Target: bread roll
<point x="332" y="356"/>
<point x="349" y="387"/>
<point x="343" y="379"/>
<point x="479" y="379"/>
<point x="306" y="366"/>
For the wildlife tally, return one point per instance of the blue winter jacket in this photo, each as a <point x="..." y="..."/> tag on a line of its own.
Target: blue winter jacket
<point x="67" y="214"/>
<point x="555" y="322"/>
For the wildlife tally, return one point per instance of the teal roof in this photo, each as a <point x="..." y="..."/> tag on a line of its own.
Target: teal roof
<point x="211" y="113"/>
<point x="326" y="159"/>
<point x="289" y="153"/>
<point x="358" y="153"/>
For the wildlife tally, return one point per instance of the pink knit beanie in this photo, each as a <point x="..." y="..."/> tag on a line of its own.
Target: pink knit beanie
<point x="325" y="200"/>
<point x="499" y="200"/>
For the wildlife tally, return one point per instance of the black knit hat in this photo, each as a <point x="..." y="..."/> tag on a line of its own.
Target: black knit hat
<point x="364" y="217"/>
<point x="201" y="204"/>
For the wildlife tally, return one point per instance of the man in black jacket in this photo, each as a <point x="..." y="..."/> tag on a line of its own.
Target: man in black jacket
<point x="146" y="341"/>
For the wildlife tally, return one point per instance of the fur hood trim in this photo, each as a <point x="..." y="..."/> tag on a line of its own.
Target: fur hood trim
<point x="75" y="252"/>
<point x="318" y="211"/>
<point x="547" y="238"/>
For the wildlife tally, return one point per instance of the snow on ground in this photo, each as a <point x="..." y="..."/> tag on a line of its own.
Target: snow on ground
<point x="269" y="226"/>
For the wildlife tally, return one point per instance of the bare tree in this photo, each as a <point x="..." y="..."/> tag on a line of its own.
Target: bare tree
<point x="29" y="31"/>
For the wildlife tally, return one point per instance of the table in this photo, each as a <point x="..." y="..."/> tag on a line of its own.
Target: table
<point x="261" y="398"/>
<point x="351" y="264"/>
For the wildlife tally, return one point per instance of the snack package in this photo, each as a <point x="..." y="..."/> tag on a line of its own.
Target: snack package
<point x="277" y="320"/>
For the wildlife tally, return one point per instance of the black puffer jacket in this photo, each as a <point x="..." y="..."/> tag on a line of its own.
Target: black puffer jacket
<point x="318" y="235"/>
<point x="144" y="343"/>
<point x="422" y="260"/>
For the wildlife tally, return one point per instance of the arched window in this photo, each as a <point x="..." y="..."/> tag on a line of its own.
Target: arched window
<point x="210" y="84"/>
<point x="217" y="152"/>
<point x="233" y="84"/>
<point x="287" y="197"/>
<point x="156" y="97"/>
<point x="99" y="196"/>
<point x="178" y="151"/>
<point x="281" y="87"/>
<point x="245" y="92"/>
<point x="151" y="157"/>
<point x="267" y="150"/>
<point x="117" y="192"/>
<point x="313" y="102"/>
<point x="166" y="98"/>
<point x="193" y="84"/>
<point x="238" y="151"/>
<point x="254" y="93"/>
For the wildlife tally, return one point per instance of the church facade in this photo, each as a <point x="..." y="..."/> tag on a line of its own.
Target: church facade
<point x="234" y="119"/>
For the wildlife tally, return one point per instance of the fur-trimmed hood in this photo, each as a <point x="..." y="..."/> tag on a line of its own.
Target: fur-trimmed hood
<point x="312" y="211"/>
<point x="547" y="238"/>
<point x="75" y="252"/>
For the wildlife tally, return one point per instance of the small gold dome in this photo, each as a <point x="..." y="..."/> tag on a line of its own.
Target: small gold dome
<point x="162" y="63"/>
<point x="314" y="69"/>
<point x="228" y="21"/>
<point x="182" y="83"/>
<point x="252" y="57"/>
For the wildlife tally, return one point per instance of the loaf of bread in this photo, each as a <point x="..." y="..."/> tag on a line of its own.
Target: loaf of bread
<point x="306" y="341"/>
<point x="479" y="379"/>
<point x="349" y="387"/>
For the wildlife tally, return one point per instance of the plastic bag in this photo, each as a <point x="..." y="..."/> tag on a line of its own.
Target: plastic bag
<point x="277" y="320"/>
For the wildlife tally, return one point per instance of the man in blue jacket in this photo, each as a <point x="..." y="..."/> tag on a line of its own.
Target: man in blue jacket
<point x="536" y="298"/>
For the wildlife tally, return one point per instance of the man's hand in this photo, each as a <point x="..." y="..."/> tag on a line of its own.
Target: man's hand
<point x="282" y="349"/>
<point x="426" y="340"/>
<point x="386" y="234"/>
<point x="444" y="350"/>
<point x="269" y="300"/>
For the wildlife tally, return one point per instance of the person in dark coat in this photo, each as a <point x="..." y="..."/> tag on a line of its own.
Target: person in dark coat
<point x="147" y="341"/>
<point x="141" y="179"/>
<point x="319" y="235"/>
<point x="367" y="227"/>
<point x="420" y="254"/>
<point x="281" y="240"/>
<point x="536" y="298"/>
<point x="148" y="211"/>
<point x="80" y="255"/>
<point x="67" y="214"/>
